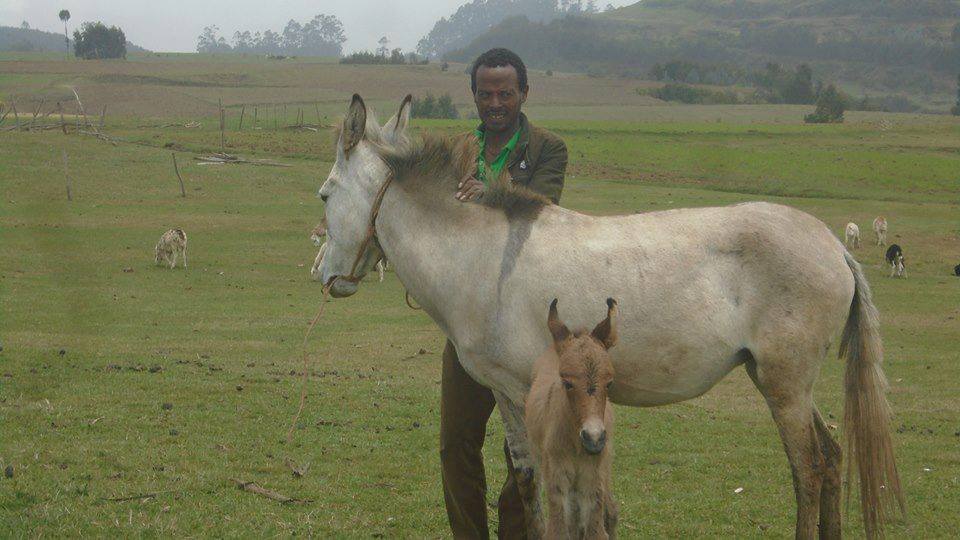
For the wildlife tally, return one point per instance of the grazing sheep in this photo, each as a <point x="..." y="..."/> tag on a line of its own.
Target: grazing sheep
<point x="316" y="236"/>
<point x="895" y="260"/>
<point x="880" y="229"/>
<point x="570" y="422"/>
<point x="172" y="242"/>
<point x="852" y="236"/>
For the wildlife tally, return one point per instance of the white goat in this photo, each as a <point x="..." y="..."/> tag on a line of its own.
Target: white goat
<point x="880" y="229"/>
<point x="172" y="243"/>
<point x="852" y="239"/>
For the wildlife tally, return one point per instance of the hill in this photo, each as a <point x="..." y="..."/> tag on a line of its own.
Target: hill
<point x="867" y="46"/>
<point x="29" y="39"/>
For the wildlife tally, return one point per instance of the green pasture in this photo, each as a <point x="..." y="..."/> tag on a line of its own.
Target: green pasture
<point x="131" y="395"/>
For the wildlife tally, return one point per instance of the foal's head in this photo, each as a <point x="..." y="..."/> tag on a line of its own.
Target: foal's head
<point x="586" y="372"/>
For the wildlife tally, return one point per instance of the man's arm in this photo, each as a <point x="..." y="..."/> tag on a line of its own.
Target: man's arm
<point x="547" y="179"/>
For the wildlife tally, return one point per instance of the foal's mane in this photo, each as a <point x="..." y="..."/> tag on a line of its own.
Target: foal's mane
<point x="432" y="164"/>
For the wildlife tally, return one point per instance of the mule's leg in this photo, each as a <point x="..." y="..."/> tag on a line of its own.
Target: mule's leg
<point x="524" y="468"/>
<point x="832" y="480"/>
<point x="790" y="398"/>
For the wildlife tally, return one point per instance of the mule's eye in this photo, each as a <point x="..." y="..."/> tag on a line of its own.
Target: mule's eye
<point x="567" y="385"/>
<point x="323" y="198"/>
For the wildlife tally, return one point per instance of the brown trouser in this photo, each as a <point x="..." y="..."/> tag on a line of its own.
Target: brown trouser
<point x="465" y="407"/>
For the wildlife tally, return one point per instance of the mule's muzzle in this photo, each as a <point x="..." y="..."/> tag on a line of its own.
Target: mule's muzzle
<point x="593" y="443"/>
<point x="341" y="288"/>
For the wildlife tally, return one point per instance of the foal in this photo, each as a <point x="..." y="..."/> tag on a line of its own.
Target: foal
<point x="570" y="422"/>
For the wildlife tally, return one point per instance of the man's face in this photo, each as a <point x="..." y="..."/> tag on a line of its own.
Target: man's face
<point x="498" y="97"/>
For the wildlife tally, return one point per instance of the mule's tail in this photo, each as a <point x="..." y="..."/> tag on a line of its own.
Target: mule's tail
<point x="866" y="413"/>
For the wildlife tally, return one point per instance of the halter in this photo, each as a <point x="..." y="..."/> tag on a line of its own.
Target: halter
<point x="371" y="233"/>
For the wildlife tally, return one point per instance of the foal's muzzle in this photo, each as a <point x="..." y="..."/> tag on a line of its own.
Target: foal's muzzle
<point x="593" y="443"/>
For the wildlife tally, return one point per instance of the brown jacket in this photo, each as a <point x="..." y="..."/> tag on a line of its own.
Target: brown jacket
<point x="539" y="161"/>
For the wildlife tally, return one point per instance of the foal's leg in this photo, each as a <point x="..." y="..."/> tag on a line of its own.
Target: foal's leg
<point x="611" y="514"/>
<point x="832" y="480"/>
<point x="524" y="468"/>
<point x="790" y="399"/>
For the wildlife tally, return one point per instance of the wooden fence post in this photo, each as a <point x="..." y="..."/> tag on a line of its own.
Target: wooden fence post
<point x="243" y="109"/>
<point x="176" y="169"/>
<point x="63" y="125"/>
<point x="222" y="146"/>
<point x="66" y="175"/>
<point x="36" y="113"/>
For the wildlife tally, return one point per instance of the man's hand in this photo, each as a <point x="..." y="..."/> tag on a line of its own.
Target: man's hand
<point x="469" y="189"/>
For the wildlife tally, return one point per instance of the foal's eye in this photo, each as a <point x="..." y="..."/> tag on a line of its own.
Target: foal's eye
<point x="567" y="385"/>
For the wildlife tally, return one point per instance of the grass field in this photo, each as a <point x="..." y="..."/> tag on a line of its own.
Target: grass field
<point x="131" y="395"/>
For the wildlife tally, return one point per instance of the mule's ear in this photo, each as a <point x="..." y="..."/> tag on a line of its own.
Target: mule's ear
<point x="606" y="331"/>
<point x="398" y="124"/>
<point x="354" y="124"/>
<point x="559" y="330"/>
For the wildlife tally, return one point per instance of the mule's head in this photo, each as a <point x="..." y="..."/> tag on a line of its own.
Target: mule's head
<point x="350" y="191"/>
<point x="586" y="372"/>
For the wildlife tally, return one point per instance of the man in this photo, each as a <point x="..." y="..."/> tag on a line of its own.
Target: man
<point x="536" y="159"/>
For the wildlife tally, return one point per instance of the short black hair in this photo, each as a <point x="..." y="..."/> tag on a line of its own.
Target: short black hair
<point x="499" y="57"/>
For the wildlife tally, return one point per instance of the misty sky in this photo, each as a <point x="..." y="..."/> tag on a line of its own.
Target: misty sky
<point x="173" y="25"/>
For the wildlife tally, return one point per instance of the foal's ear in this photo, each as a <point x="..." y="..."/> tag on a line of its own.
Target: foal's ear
<point x="397" y="125"/>
<point x="354" y="124"/>
<point x="559" y="330"/>
<point x="606" y="331"/>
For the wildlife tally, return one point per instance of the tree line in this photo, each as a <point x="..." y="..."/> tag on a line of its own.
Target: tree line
<point x="476" y="17"/>
<point x="322" y="35"/>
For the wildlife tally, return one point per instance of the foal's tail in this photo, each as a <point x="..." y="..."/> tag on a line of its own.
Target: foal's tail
<point x="866" y="414"/>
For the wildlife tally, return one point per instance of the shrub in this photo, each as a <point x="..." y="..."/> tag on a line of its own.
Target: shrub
<point x="394" y="58"/>
<point x="430" y="107"/>
<point x="830" y="107"/>
<point x="685" y="93"/>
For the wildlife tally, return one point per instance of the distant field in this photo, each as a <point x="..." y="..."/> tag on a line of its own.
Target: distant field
<point x="95" y="452"/>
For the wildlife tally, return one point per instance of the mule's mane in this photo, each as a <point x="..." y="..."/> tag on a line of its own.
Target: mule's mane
<point x="433" y="165"/>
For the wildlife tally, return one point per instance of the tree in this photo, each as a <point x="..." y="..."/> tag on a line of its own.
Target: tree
<point x="25" y="25"/>
<point x="95" y="40"/>
<point x="382" y="50"/>
<point x="65" y="16"/>
<point x="800" y="87"/>
<point x="210" y="42"/>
